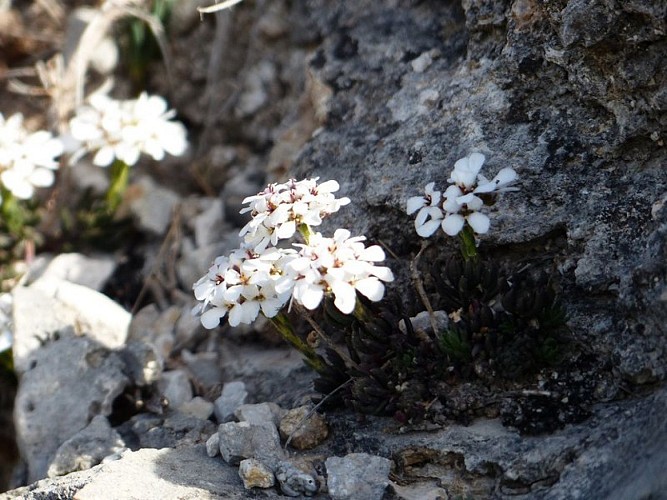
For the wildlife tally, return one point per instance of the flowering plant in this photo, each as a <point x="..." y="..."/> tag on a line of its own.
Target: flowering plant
<point x="260" y="277"/>
<point x="27" y="160"/>
<point x="458" y="209"/>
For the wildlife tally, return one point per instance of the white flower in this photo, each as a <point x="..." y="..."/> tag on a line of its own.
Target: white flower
<point x="243" y="284"/>
<point x="460" y="204"/>
<point x="27" y="160"/>
<point x="341" y="266"/>
<point x="429" y="215"/>
<point x="280" y="209"/>
<point x="465" y="171"/>
<point x="123" y="130"/>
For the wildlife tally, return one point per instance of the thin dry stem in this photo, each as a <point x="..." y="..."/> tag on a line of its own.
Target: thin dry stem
<point x="419" y="285"/>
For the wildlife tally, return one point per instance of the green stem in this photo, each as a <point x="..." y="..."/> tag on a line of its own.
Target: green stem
<point x="306" y="232"/>
<point x="284" y="327"/>
<point x="468" y="248"/>
<point x="120" y="176"/>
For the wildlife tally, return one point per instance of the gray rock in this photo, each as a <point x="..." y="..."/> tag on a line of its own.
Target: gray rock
<point x="422" y="322"/>
<point x="213" y="445"/>
<point x="67" y="383"/>
<point x="86" y="448"/>
<point x="175" y="386"/>
<point x="357" y="475"/>
<point x="260" y="413"/>
<point x="303" y="429"/>
<point x="185" y="473"/>
<point x="208" y="224"/>
<point x="63" y="306"/>
<point x="234" y="394"/>
<point x="295" y="481"/>
<point x="150" y="325"/>
<point x="152" y="205"/>
<point x="240" y="440"/>
<point x="204" y="368"/>
<point x="255" y="474"/>
<point x="176" y="429"/>
<point x="197" y="407"/>
<point x="142" y="362"/>
<point x="91" y="272"/>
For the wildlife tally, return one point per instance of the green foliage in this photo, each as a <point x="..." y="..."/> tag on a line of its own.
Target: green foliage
<point x="501" y="329"/>
<point x="140" y="45"/>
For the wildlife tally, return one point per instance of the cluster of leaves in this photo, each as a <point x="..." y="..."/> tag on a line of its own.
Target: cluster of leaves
<point x="500" y="330"/>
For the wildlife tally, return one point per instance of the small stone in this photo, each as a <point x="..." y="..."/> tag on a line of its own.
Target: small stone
<point x="422" y="322"/>
<point x="175" y="386"/>
<point x="304" y="433"/>
<point x="357" y="475"/>
<point x="143" y="363"/>
<point x="150" y="325"/>
<point x="151" y="205"/>
<point x="213" y="445"/>
<point x="208" y="224"/>
<point x="87" y="448"/>
<point x="255" y="474"/>
<point x="204" y="369"/>
<point x="260" y="413"/>
<point x="234" y="394"/>
<point x="197" y="407"/>
<point x="241" y="440"/>
<point x="91" y="272"/>
<point x="295" y="481"/>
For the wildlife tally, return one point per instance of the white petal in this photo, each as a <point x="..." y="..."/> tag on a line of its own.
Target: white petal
<point x="328" y="187"/>
<point x="345" y="296"/>
<point x="371" y="288"/>
<point x="104" y="157"/>
<point x="428" y="228"/>
<point x="479" y="222"/>
<point x="452" y="224"/>
<point x="310" y="296"/>
<point x="414" y="204"/>
<point x="372" y="254"/>
<point x="211" y="318"/>
<point x="382" y="272"/>
<point x="42" y="177"/>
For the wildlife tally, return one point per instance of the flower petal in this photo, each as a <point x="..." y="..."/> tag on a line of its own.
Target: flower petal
<point x="479" y="222"/>
<point x="452" y="224"/>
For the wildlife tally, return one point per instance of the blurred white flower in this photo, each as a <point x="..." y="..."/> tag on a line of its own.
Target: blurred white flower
<point x="27" y="160"/>
<point x="460" y="203"/>
<point x="123" y="130"/>
<point x="6" y="335"/>
<point x="279" y="210"/>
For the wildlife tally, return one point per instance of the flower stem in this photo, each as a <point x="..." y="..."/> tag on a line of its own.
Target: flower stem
<point x="468" y="248"/>
<point x="282" y="323"/>
<point x="306" y="232"/>
<point x="120" y="175"/>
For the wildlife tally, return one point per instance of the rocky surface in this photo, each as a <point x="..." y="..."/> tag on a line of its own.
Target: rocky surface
<point x="383" y="97"/>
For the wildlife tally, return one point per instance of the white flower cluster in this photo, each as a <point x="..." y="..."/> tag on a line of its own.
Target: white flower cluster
<point x="124" y="129"/>
<point x="258" y="277"/>
<point x="279" y="210"/>
<point x="459" y="204"/>
<point x="27" y="160"/>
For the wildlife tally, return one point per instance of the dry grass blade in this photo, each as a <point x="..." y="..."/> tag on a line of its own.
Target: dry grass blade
<point x="67" y="87"/>
<point x="218" y="6"/>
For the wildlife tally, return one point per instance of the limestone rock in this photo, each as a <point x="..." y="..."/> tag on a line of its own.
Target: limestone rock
<point x="304" y="431"/>
<point x="63" y="306"/>
<point x="151" y="205"/>
<point x="67" y="383"/>
<point x="234" y="394"/>
<point x="255" y="474"/>
<point x="294" y="480"/>
<point x="175" y="386"/>
<point x="260" y="413"/>
<point x="185" y="473"/>
<point x="357" y="475"/>
<point x="91" y="272"/>
<point x="241" y="440"/>
<point x="87" y="448"/>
